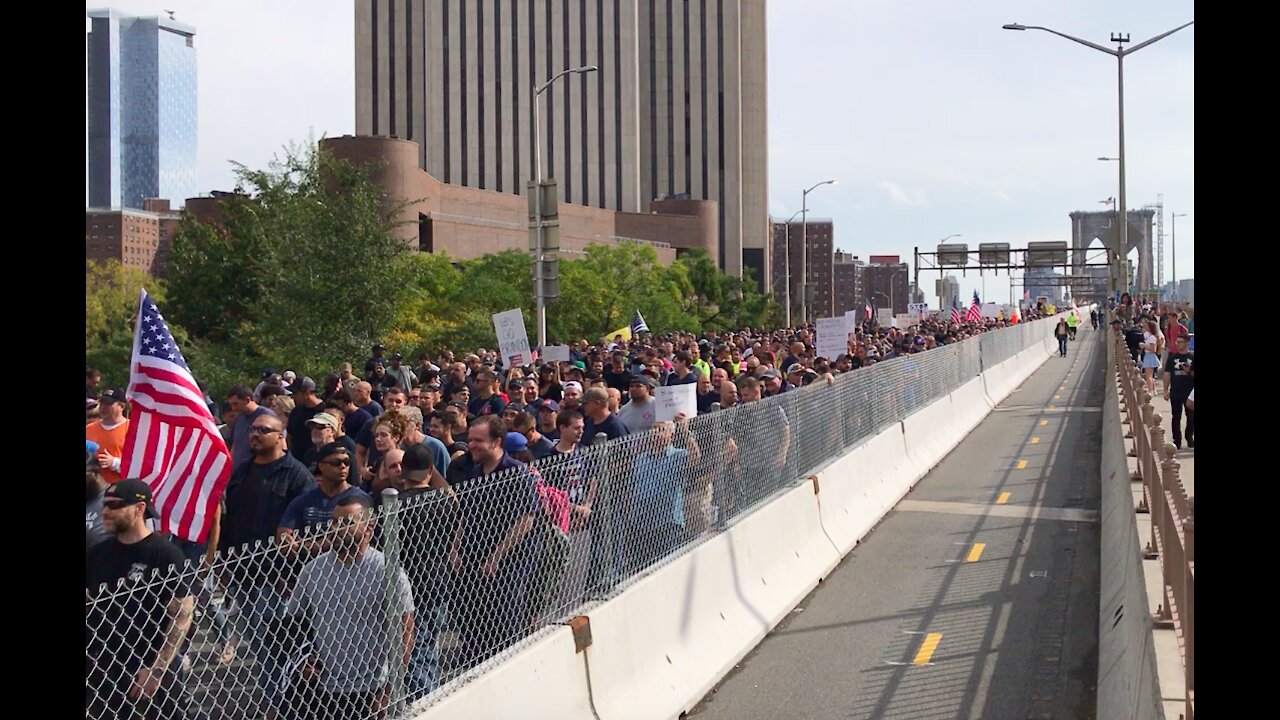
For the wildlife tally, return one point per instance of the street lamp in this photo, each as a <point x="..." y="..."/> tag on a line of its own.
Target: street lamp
<point x="786" y="262"/>
<point x="873" y="302"/>
<point x="1174" y="243"/>
<point x="804" y="249"/>
<point x="540" y="249"/>
<point x="1119" y="54"/>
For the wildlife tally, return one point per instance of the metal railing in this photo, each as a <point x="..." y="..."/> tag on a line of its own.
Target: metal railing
<point x="373" y="613"/>
<point x="1172" y="511"/>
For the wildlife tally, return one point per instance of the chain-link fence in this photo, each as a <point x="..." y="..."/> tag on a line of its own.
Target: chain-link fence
<point x="372" y="613"/>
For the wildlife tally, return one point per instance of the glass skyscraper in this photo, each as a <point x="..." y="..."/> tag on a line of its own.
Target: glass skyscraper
<point x="141" y="110"/>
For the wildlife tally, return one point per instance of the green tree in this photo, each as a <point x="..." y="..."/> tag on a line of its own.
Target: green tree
<point x="304" y="270"/>
<point x="719" y="301"/>
<point x="600" y="291"/>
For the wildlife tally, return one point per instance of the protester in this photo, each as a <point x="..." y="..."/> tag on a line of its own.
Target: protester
<point x="109" y="432"/>
<point x="638" y="415"/>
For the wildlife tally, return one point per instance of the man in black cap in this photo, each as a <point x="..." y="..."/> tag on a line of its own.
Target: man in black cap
<point x="401" y="375"/>
<point x="306" y="405"/>
<point x="315" y="507"/>
<point x="377" y="359"/>
<point x="136" y="628"/>
<point x="638" y="415"/>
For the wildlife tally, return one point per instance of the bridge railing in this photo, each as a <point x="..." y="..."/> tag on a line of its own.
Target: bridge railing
<point x="453" y="582"/>
<point x="1172" y="512"/>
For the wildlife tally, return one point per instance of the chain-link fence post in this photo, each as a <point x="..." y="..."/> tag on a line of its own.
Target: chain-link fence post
<point x="395" y="639"/>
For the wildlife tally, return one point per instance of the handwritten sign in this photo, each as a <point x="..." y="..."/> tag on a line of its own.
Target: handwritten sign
<point x="903" y="321"/>
<point x="833" y="336"/>
<point x="918" y="311"/>
<point x="674" y="399"/>
<point x="884" y="316"/>
<point x="556" y="353"/>
<point x="513" y="341"/>
<point x="990" y="310"/>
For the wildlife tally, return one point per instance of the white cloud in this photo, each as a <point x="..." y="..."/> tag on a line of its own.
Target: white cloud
<point x="1001" y="195"/>
<point x="897" y="194"/>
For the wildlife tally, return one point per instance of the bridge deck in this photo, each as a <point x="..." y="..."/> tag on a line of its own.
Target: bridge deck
<point x="977" y="597"/>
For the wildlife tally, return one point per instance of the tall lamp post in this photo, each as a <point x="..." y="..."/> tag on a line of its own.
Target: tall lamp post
<point x="540" y="250"/>
<point x="804" y="249"/>
<point x="1119" y="54"/>
<point x="1174" y="243"/>
<point x="786" y="261"/>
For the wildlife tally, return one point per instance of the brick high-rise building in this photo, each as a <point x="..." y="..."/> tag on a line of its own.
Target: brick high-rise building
<point x="848" y="278"/>
<point x="137" y="238"/>
<point x="886" y="284"/>
<point x="821" y="238"/>
<point x="677" y="108"/>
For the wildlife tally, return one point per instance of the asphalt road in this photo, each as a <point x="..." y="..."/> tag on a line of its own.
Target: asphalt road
<point x="964" y="602"/>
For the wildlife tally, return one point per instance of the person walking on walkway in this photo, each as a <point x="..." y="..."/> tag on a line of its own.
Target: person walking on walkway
<point x="1178" y="386"/>
<point x="1060" y="332"/>
<point x="1072" y="321"/>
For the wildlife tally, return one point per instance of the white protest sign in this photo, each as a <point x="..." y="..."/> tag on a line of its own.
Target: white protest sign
<point x="852" y="317"/>
<point x="990" y="310"/>
<point x="513" y="341"/>
<point x="674" y="399"/>
<point x="556" y="353"/>
<point x="918" y="311"/>
<point x="884" y="316"/>
<point x="833" y="336"/>
<point x="903" y="321"/>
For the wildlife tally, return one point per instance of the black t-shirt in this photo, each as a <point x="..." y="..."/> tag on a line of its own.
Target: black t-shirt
<point x="612" y="427"/>
<point x="299" y="433"/>
<point x="674" y="379"/>
<point x="429" y="518"/>
<point x="491" y="503"/>
<point x="705" y="401"/>
<point x="553" y="391"/>
<point x="1179" y="366"/>
<point x="620" y="380"/>
<point x="459" y="469"/>
<point x="127" y="630"/>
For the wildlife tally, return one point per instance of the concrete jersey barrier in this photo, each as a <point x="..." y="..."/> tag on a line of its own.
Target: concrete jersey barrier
<point x="661" y="645"/>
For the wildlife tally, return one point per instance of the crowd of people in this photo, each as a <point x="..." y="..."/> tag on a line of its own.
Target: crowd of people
<point x="1161" y="340"/>
<point x="503" y="520"/>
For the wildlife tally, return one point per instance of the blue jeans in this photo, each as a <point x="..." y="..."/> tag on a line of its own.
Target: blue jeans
<point x="1062" y="345"/>
<point x="424" y="662"/>
<point x="261" y="609"/>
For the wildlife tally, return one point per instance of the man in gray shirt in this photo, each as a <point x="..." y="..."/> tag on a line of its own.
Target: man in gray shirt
<point x="638" y="414"/>
<point x="342" y="595"/>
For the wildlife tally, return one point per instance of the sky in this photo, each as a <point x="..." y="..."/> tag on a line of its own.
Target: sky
<point x="934" y="120"/>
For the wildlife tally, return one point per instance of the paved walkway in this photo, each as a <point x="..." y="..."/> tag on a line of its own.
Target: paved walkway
<point x="976" y="597"/>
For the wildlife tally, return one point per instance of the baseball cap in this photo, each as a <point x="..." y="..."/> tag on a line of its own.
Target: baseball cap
<point x="379" y="346"/>
<point x="112" y="395"/>
<point x="795" y="368"/>
<point x="306" y="384"/>
<point x="551" y="405"/>
<point x="643" y="379"/>
<point x="515" y="442"/>
<point x="323" y="419"/>
<point x="431" y="386"/>
<point x="573" y="384"/>
<point x="579" y="364"/>
<point x="771" y="373"/>
<point x="397" y="356"/>
<point x="132" y="490"/>
<point x="332" y="448"/>
<point x="289" y="375"/>
<point x="515" y="382"/>
<point x="417" y="463"/>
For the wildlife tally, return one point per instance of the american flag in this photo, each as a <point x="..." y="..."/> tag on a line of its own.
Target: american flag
<point x="975" y="310"/>
<point x="637" y="324"/>
<point x="173" y="443"/>
<point x="955" y="311"/>
<point x="867" y="307"/>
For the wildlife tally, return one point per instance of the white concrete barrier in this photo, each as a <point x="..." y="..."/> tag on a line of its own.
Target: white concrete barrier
<point x="544" y="680"/>
<point x="663" y="644"/>
<point x="666" y="641"/>
<point x="930" y="433"/>
<point x="857" y="490"/>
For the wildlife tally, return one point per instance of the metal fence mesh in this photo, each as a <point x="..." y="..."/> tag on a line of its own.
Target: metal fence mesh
<point x="370" y="614"/>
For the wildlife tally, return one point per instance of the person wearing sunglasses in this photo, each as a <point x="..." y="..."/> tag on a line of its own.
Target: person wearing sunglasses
<point x="302" y="528"/>
<point x="134" y="643"/>
<point x="257" y="494"/>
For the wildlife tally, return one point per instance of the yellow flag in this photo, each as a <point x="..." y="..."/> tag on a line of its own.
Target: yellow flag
<point x="624" y="331"/>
